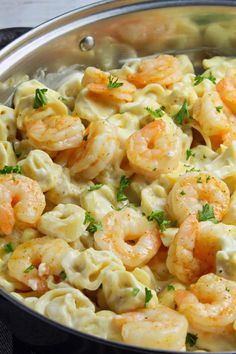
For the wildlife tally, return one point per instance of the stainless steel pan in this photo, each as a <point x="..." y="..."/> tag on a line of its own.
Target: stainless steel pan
<point x="105" y="35"/>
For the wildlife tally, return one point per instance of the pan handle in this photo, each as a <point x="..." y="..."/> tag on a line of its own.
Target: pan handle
<point x="7" y="35"/>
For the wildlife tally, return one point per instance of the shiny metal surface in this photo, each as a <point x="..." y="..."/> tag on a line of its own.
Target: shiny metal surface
<point x="124" y="29"/>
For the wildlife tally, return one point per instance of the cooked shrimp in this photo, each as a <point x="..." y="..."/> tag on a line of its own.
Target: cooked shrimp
<point x="155" y="149"/>
<point x="55" y="133"/>
<point x="130" y="236"/>
<point x="97" y="82"/>
<point x="227" y="90"/>
<point x="210" y="305"/>
<point x="21" y="202"/>
<point x="33" y="261"/>
<point x="213" y="122"/>
<point x="163" y="70"/>
<point x="160" y="328"/>
<point x="95" y="152"/>
<point x="192" y="253"/>
<point x="193" y="190"/>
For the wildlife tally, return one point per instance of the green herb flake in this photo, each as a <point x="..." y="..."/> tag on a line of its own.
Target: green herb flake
<point x="189" y="153"/>
<point x="40" y="98"/>
<point x="85" y="138"/>
<point x="113" y="82"/>
<point x="92" y="228"/>
<point x="198" y="79"/>
<point x="160" y="218"/>
<point x="135" y="291"/>
<point x="95" y="187"/>
<point x="62" y="99"/>
<point x="157" y="113"/>
<point x="182" y="114"/>
<point x="227" y="289"/>
<point x="208" y="178"/>
<point x="62" y="275"/>
<point x="148" y="296"/>
<point x="27" y="270"/>
<point x="219" y="108"/>
<point x="182" y="193"/>
<point x="212" y="78"/>
<point x="204" y="156"/>
<point x="124" y="183"/>
<point x="199" y="179"/>
<point x="170" y="287"/>
<point x="8" y="248"/>
<point x="191" y="339"/>
<point x="193" y="169"/>
<point x="207" y="213"/>
<point x="93" y="225"/>
<point x="11" y="169"/>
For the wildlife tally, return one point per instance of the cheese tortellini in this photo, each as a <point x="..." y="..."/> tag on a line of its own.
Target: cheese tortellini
<point x="68" y="221"/>
<point x="87" y="269"/>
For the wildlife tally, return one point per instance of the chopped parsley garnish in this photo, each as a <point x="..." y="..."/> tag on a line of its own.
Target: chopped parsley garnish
<point x="93" y="225"/>
<point x="95" y="187"/>
<point x="63" y="99"/>
<point x="227" y="289"/>
<point x="189" y="153"/>
<point x="212" y="78"/>
<point x="208" y="178"/>
<point x="160" y="218"/>
<point x="124" y="183"/>
<point x="148" y="296"/>
<point x="199" y="179"/>
<point x="27" y="270"/>
<point x="113" y="82"/>
<point x="8" y="248"/>
<point x="204" y="156"/>
<point x="182" y="193"/>
<point x="193" y="169"/>
<point x="85" y="138"/>
<point x="135" y="291"/>
<point x="11" y="169"/>
<point x="40" y="98"/>
<point x="62" y="275"/>
<point x="207" y="213"/>
<point x="198" y="79"/>
<point x="170" y="287"/>
<point x="157" y="113"/>
<point x="191" y="339"/>
<point x="183" y="114"/>
<point x="219" y="108"/>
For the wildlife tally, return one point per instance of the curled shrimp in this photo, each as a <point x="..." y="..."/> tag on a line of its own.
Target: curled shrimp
<point x="210" y="305"/>
<point x="153" y="328"/>
<point x="21" y="202"/>
<point x="213" y="122"/>
<point x="33" y="261"/>
<point x="130" y="236"/>
<point x="193" y="190"/>
<point x="163" y="70"/>
<point x="226" y="87"/>
<point x="192" y="253"/>
<point x="97" y="82"/>
<point x="95" y="152"/>
<point x="155" y="149"/>
<point x="55" y="133"/>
